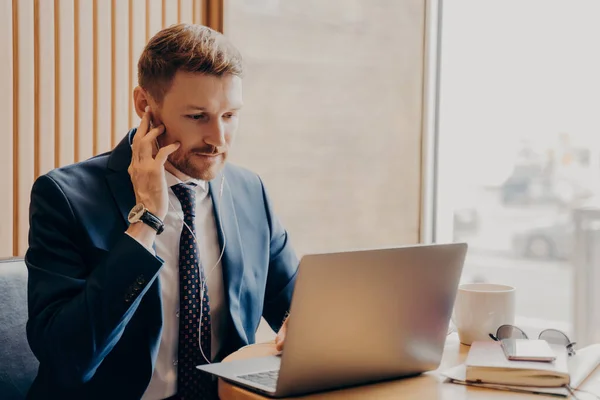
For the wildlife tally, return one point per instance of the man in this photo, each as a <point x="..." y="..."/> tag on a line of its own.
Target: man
<point x="156" y="257"/>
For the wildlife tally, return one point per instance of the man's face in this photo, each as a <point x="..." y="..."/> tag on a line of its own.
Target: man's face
<point x="201" y="113"/>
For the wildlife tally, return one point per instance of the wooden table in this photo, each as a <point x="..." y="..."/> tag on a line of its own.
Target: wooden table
<point x="428" y="386"/>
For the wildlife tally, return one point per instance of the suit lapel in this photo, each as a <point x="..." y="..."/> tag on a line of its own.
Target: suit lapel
<point x="233" y="256"/>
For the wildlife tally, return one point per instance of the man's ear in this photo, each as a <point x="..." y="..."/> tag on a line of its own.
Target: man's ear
<point x="141" y="99"/>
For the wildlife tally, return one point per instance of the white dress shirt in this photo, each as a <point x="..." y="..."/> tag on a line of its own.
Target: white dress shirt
<point x="164" y="378"/>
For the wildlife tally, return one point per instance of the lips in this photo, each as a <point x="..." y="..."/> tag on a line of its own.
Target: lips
<point x="211" y="158"/>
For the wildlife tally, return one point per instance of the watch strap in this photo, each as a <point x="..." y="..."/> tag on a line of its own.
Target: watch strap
<point x="153" y="221"/>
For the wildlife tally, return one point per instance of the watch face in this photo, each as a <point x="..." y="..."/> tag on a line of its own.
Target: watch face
<point x="136" y="213"/>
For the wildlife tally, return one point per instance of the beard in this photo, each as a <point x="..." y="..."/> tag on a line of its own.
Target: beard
<point x="197" y="162"/>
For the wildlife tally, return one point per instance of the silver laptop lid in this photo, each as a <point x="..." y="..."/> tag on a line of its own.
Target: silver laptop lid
<point x="369" y="315"/>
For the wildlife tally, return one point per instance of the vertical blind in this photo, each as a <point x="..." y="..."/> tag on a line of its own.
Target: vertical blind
<point x="67" y="72"/>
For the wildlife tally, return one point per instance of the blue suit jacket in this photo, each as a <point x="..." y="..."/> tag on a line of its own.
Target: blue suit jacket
<point x="95" y="315"/>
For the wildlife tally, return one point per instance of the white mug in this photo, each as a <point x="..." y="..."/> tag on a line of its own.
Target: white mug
<point x="480" y="308"/>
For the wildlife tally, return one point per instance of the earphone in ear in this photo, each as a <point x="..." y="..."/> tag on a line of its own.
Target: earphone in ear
<point x="151" y="122"/>
<point x="152" y="125"/>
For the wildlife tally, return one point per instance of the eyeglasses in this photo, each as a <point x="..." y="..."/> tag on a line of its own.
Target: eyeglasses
<point x="551" y="336"/>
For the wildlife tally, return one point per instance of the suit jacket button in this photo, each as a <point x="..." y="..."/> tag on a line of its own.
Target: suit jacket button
<point x="128" y="297"/>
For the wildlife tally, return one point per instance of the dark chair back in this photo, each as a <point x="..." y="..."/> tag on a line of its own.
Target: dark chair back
<point x="18" y="365"/>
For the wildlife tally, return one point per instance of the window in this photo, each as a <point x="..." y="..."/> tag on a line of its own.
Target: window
<point x="519" y="149"/>
<point x="332" y="116"/>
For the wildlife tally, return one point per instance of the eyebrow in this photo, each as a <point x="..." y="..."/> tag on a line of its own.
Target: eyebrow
<point x="198" y="108"/>
<point x="193" y="107"/>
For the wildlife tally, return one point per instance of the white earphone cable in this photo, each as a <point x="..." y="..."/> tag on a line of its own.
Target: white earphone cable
<point x="203" y="284"/>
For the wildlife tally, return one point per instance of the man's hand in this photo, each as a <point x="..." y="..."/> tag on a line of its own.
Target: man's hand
<point x="280" y="338"/>
<point x="147" y="174"/>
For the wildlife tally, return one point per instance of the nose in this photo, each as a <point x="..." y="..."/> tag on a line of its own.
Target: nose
<point x="215" y="135"/>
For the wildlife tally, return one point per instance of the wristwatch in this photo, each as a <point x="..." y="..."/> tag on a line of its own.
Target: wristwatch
<point x="139" y="213"/>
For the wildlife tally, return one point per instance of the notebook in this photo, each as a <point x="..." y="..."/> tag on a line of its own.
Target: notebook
<point x="487" y="363"/>
<point x="580" y="367"/>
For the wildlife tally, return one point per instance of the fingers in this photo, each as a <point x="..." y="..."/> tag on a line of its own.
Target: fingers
<point x="165" y="152"/>
<point x="147" y="144"/>
<point x="139" y="135"/>
<point x="154" y="133"/>
<point x="143" y="127"/>
<point x="144" y="141"/>
<point x="280" y="338"/>
<point x="278" y="343"/>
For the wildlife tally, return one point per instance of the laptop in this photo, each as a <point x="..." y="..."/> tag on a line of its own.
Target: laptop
<point x="359" y="317"/>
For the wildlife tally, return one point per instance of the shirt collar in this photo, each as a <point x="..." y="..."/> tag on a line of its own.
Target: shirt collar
<point x="172" y="180"/>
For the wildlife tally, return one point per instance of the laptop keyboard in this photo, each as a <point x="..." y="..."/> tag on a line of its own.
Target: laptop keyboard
<point x="267" y="378"/>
